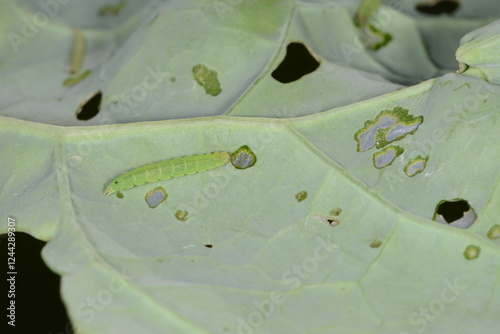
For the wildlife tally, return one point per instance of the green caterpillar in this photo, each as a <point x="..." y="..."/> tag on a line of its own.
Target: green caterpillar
<point x="168" y="169"/>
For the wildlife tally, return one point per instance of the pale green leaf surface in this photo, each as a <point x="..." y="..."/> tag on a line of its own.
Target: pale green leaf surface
<point x="150" y="272"/>
<point x="168" y="280"/>
<point x="141" y="59"/>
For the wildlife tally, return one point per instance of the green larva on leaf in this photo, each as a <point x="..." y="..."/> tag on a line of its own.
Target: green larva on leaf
<point x="168" y="169"/>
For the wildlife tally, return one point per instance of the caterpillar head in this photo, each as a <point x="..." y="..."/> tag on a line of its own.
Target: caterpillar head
<point x="114" y="186"/>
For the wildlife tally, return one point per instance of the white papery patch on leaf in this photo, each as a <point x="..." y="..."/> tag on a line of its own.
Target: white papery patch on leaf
<point x="415" y="165"/>
<point x="388" y="126"/>
<point x="155" y="197"/>
<point x="386" y="156"/>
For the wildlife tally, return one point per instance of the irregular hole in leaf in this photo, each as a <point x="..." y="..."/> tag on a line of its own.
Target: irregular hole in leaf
<point x="301" y="195"/>
<point x="472" y="252"/>
<point x="243" y="158"/>
<point x="494" y="232"/>
<point x="375" y="244"/>
<point x="297" y="63"/>
<point x="208" y="245"/>
<point x="332" y="221"/>
<point x="155" y="197"/>
<point x="42" y="300"/>
<point x="456" y="212"/>
<point x="90" y="108"/>
<point x="437" y="7"/>
<point x="181" y="215"/>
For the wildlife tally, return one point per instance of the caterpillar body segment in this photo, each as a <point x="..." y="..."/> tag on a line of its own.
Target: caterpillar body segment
<point x="168" y="169"/>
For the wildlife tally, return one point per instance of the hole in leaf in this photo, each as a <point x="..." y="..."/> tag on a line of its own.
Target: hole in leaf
<point x="438" y="7"/>
<point x="38" y="304"/>
<point x="297" y="63"/>
<point x="90" y="108"/>
<point x="456" y="212"/>
<point x="208" y="246"/>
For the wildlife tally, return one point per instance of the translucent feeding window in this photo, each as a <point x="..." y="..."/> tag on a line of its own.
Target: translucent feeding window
<point x="297" y="63"/>
<point x="456" y="212"/>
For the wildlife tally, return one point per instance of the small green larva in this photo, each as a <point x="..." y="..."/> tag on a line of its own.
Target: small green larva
<point x="168" y="169"/>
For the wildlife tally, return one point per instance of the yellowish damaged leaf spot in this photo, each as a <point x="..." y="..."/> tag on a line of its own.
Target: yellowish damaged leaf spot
<point x="335" y="212"/>
<point x="494" y="232"/>
<point x="207" y="79"/>
<point x="472" y="252"/>
<point x="181" y="215"/>
<point x="112" y="9"/>
<point x="301" y="195"/>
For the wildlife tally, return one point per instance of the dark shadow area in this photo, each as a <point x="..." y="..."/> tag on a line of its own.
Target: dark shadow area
<point x="297" y="63"/>
<point x="438" y="7"/>
<point x="35" y="289"/>
<point x="90" y="108"/>
<point x="452" y="210"/>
